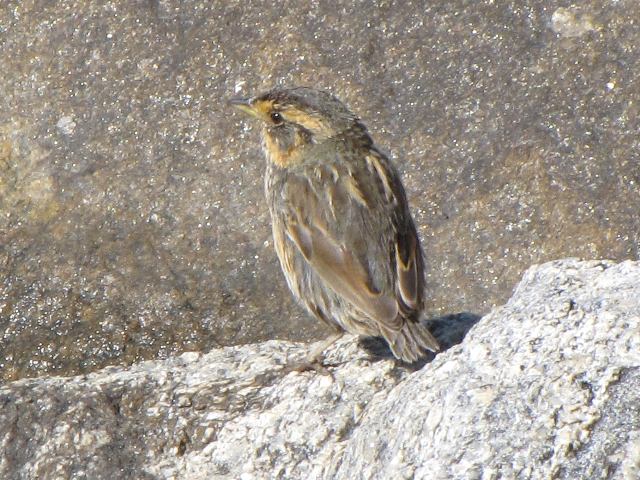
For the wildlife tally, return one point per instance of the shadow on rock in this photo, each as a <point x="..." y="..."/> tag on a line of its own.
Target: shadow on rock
<point x="449" y="329"/>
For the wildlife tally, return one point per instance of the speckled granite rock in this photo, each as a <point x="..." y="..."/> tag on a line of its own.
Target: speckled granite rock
<point x="131" y="217"/>
<point x="546" y="386"/>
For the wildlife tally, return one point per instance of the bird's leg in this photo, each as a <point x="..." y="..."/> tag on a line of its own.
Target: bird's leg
<point x="314" y="360"/>
<point x="315" y="356"/>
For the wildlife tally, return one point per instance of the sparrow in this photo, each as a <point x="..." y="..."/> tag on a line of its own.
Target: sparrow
<point x="342" y="228"/>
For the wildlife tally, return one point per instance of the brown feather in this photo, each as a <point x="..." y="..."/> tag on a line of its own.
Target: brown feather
<point x="407" y="271"/>
<point x="343" y="273"/>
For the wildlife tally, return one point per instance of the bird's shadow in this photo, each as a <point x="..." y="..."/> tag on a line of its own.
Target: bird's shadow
<point x="449" y="329"/>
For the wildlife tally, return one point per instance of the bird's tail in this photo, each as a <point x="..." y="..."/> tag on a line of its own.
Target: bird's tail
<point x="410" y="343"/>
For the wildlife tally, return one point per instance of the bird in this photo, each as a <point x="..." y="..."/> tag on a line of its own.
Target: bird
<point x="341" y="224"/>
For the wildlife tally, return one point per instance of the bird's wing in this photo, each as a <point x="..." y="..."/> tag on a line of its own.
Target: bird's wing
<point x="343" y="273"/>
<point x="356" y="233"/>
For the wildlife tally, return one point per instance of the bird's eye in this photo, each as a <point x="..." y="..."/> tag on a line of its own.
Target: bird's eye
<point x="276" y="118"/>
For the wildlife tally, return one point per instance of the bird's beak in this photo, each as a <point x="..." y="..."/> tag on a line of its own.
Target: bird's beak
<point x="244" y="104"/>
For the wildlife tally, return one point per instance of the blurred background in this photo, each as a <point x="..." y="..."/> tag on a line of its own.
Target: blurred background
<point x="132" y="221"/>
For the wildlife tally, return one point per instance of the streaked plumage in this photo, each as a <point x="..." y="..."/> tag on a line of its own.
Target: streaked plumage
<point x="342" y="228"/>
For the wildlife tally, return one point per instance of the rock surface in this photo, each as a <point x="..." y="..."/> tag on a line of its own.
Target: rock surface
<point x="546" y="386"/>
<point x="132" y="224"/>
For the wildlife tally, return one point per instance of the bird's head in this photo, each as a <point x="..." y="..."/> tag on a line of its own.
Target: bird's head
<point x="293" y="119"/>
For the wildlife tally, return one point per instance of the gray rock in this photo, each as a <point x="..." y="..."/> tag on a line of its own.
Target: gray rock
<point x="546" y="386"/>
<point x="132" y="224"/>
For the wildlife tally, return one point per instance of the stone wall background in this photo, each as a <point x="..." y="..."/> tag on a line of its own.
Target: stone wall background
<point x="131" y="217"/>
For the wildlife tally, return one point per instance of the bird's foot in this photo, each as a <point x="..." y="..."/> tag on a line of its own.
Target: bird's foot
<point x="310" y="364"/>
